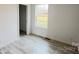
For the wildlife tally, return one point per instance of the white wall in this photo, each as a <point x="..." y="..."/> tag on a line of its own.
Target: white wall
<point x="64" y="23"/>
<point x="29" y="24"/>
<point x="9" y="24"/>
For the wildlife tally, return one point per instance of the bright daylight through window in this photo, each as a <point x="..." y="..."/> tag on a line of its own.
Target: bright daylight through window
<point x="41" y="16"/>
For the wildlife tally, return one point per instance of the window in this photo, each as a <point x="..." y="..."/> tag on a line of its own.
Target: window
<point x="41" y="16"/>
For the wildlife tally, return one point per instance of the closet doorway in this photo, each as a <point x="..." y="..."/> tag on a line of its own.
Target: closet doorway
<point x="22" y="19"/>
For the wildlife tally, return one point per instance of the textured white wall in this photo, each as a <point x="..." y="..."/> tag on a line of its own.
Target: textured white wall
<point x="64" y="23"/>
<point x="8" y="24"/>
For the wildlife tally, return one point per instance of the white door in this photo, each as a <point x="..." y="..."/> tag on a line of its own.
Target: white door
<point x="40" y="24"/>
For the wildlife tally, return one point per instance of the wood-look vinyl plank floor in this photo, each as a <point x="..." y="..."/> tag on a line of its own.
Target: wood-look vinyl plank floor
<point x="32" y="45"/>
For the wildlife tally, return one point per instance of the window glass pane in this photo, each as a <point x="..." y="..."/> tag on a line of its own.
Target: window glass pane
<point x="41" y="16"/>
